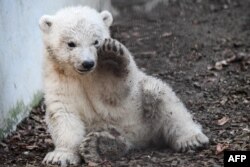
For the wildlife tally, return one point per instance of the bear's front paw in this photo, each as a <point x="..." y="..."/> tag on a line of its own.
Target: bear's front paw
<point x="88" y="148"/>
<point x="99" y="146"/>
<point x="112" y="47"/>
<point x="190" y="141"/>
<point x="62" y="158"/>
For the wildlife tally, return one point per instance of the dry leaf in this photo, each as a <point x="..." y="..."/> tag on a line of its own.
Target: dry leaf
<point x="221" y="147"/>
<point x="235" y="58"/>
<point x="246" y="129"/>
<point x="223" y="120"/>
<point x="3" y="144"/>
<point x="31" y="147"/>
<point x="92" y="164"/>
<point x="224" y="100"/>
<point x="220" y="64"/>
<point x="148" y="53"/>
<point x="166" y="34"/>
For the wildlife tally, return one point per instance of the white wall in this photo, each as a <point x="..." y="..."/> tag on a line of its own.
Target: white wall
<point x="21" y="54"/>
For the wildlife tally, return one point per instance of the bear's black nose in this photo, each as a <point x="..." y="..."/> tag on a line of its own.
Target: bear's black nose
<point x="88" y="64"/>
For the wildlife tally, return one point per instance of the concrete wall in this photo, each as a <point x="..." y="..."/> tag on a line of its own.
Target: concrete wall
<point x="21" y="55"/>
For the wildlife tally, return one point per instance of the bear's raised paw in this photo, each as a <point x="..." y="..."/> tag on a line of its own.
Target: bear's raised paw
<point x="112" y="47"/>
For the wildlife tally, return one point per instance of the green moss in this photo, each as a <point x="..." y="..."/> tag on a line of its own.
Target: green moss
<point x="1" y="133"/>
<point x="36" y="99"/>
<point x="17" y="113"/>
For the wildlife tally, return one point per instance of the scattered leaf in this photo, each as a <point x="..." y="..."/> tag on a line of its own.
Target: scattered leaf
<point x="32" y="147"/>
<point x="246" y="130"/>
<point x="167" y="34"/>
<point x="152" y="53"/>
<point x="240" y="57"/>
<point x="3" y="144"/>
<point x="220" y="64"/>
<point x="224" y="100"/>
<point x="223" y="120"/>
<point x="221" y="147"/>
<point x="92" y="164"/>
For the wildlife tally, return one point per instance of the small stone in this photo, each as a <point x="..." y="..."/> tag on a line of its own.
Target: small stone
<point x="174" y="163"/>
<point x="26" y="152"/>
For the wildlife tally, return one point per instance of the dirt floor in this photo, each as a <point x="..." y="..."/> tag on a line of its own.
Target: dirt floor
<point x="202" y="49"/>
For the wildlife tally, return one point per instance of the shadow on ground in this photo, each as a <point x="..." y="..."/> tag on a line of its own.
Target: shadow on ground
<point x="202" y="49"/>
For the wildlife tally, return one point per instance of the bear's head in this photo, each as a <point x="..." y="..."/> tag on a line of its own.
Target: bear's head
<point x="73" y="35"/>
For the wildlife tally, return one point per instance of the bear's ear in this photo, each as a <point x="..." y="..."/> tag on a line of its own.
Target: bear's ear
<point x="107" y="18"/>
<point x="45" y="23"/>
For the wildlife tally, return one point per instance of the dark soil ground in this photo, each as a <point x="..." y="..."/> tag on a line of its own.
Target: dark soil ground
<point x="202" y="49"/>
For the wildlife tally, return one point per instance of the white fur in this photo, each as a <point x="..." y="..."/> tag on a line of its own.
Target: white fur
<point x="78" y="103"/>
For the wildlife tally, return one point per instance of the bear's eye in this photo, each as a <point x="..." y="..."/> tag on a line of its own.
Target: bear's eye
<point x="71" y="44"/>
<point x="96" y="43"/>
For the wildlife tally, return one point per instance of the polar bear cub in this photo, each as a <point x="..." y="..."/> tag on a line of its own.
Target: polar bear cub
<point x="99" y="104"/>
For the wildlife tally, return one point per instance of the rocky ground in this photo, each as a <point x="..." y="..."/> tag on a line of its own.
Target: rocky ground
<point x="202" y="49"/>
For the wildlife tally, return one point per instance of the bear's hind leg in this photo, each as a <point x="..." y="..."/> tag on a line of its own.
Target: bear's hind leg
<point x="179" y="130"/>
<point x="162" y="109"/>
<point x="104" y="145"/>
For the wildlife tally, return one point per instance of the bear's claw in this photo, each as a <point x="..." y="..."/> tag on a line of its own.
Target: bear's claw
<point x="113" y="46"/>
<point x="193" y="141"/>
<point x="62" y="158"/>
